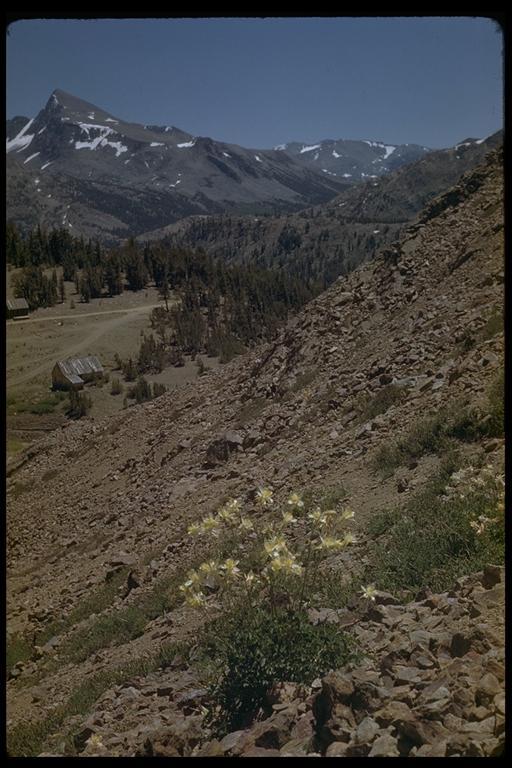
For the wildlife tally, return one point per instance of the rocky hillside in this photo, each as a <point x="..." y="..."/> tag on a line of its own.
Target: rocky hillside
<point x="384" y="390"/>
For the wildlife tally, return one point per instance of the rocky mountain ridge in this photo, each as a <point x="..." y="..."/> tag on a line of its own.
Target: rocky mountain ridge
<point x="80" y="166"/>
<point x="290" y="415"/>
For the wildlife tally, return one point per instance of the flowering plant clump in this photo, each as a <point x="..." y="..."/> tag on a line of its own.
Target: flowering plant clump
<point x="276" y="560"/>
<point x="471" y="480"/>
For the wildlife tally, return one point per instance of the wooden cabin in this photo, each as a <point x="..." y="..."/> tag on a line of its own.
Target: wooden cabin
<point x="75" y="372"/>
<point x="17" y="308"/>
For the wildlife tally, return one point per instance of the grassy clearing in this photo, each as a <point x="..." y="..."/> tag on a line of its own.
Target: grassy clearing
<point x="15" y="445"/>
<point x="327" y="497"/>
<point x="28" y="739"/>
<point x="124" y="625"/>
<point x="18" y="649"/>
<point x="436" y="433"/>
<point x="425" y="436"/>
<point x="21" y="649"/>
<point x="42" y="407"/>
<point x="371" y="406"/>
<point x="431" y="542"/>
<point x="96" y="602"/>
<point x="20" y="488"/>
<point x="494" y="324"/>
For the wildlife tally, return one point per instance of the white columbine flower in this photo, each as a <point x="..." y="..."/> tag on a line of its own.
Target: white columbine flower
<point x="295" y="500"/>
<point x="265" y="496"/>
<point x="369" y="592"/>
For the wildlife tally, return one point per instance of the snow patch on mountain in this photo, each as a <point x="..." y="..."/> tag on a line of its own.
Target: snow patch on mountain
<point x="31" y="157"/>
<point x="310" y="148"/>
<point x="156" y="144"/>
<point x="186" y="144"/>
<point x="22" y="140"/>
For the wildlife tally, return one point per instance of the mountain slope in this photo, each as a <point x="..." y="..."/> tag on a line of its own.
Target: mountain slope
<point x="291" y="415"/>
<point x="325" y="241"/>
<point x="78" y="160"/>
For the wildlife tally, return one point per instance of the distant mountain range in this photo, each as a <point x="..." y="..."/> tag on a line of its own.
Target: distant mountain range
<point x="327" y="240"/>
<point x="77" y="165"/>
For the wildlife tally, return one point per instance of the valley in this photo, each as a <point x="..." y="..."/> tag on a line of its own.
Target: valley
<point x="371" y="410"/>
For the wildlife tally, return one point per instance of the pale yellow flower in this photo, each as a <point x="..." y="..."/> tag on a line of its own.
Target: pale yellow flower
<point x="246" y="524"/>
<point x="195" y="599"/>
<point x="95" y="740"/>
<point x="347" y="514"/>
<point x="290" y="565"/>
<point x="369" y="592"/>
<point x="210" y="523"/>
<point x="274" y="546"/>
<point x="265" y="496"/>
<point x="210" y="568"/>
<point x="226" y="515"/>
<point x="250" y="578"/>
<point x="329" y="542"/>
<point x="230" y="568"/>
<point x="234" y="505"/>
<point x="295" y="500"/>
<point x="194" y="529"/>
<point x="318" y="517"/>
<point x="288" y="518"/>
<point x="479" y="528"/>
<point x="349" y="538"/>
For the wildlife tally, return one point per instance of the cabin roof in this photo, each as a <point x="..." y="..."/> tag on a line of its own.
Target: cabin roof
<point x="17" y="304"/>
<point x="80" y="365"/>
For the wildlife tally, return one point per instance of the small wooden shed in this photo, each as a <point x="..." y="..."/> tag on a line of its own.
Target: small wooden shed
<point x="75" y="372"/>
<point x="17" y="308"/>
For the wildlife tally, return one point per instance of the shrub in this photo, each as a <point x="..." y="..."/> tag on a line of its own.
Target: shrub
<point x="79" y="404"/>
<point x="494" y="324"/>
<point x="495" y="424"/>
<point x="264" y="634"/>
<point x="158" y="389"/>
<point x="258" y="648"/>
<point x="230" y="347"/>
<point x="141" y="391"/>
<point x="381" y="401"/>
<point x="116" y="388"/>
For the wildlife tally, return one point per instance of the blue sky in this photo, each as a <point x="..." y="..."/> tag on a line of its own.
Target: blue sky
<point x="261" y="82"/>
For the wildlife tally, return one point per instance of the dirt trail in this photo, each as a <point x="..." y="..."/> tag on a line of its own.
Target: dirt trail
<point x="82" y="314"/>
<point x="86" y="342"/>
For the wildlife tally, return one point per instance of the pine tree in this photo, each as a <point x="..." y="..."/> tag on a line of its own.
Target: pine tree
<point x="62" y="289"/>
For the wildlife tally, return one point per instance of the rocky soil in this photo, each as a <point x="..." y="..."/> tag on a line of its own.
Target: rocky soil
<point x="430" y="685"/>
<point x="120" y="492"/>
